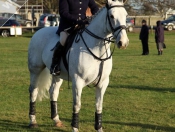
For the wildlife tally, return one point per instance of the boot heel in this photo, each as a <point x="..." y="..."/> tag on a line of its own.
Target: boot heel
<point x="55" y="66"/>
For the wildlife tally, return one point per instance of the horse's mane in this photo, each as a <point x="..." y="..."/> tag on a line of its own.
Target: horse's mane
<point x="94" y="16"/>
<point x="91" y="18"/>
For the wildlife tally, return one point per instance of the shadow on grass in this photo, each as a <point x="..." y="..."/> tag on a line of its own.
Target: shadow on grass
<point x="18" y="126"/>
<point x="144" y="88"/>
<point x="11" y="126"/>
<point x="145" y="126"/>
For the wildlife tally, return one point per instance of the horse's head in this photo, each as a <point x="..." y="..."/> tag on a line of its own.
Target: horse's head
<point x="116" y="15"/>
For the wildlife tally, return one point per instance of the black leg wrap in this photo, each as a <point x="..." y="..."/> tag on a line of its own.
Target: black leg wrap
<point x="98" y="121"/>
<point x="159" y="53"/>
<point x="53" y="105"/>
<point x="32" y="109"/>
<point x="75" y="120"/>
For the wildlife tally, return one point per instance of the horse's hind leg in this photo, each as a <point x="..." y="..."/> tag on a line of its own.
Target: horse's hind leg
<point x="33" y="90"/>
<point x="54" y="92"/>
<point x="100" y="90"/>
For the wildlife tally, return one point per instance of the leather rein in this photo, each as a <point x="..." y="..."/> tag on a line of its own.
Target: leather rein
<point x="108" y="40"/>
<point x="120" y="28"/>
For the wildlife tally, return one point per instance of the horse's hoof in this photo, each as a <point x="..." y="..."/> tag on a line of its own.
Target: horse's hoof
<point x="59" y="124"/>
<point x="33" y="125"/>
<point x="100" y="130"/>
<point x="75" y="129"/>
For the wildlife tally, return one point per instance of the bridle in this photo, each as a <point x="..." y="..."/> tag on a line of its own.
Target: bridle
<point x="119" y="27"/>
<point x="108" y="40"/>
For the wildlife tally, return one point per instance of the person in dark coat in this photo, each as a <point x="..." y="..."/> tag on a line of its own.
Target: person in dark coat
<point x="144" y="36"/>
<point x="34" y="21"/>
<point x="72" y="12"/>
<point x="159" y="37"/>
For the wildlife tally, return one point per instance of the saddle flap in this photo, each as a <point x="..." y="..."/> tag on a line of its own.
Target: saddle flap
<point x="68" y="45"/>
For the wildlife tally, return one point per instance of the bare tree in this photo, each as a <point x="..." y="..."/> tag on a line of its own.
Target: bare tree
<point x="134" y="7"/>
<point x="152" y="7"/>
<point x="49" y="6"/>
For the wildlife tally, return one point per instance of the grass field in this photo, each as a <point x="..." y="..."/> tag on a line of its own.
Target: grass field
<point x="139" y="98"/>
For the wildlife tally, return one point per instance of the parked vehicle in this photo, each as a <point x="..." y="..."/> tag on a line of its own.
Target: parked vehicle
<point x="47" y="20"/>
<point x="5" y="32"/>
<point x="169" y="23"/>
<point x="17" y="17"/>
<point x="130" y="24"/>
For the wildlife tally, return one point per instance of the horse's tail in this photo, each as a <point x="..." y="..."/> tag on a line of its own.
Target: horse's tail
<point x="44" y="83"/>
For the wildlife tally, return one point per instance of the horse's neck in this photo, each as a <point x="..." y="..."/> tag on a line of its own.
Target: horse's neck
<point x="98" y="26"/>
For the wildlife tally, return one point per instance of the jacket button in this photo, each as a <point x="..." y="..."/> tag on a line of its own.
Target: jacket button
<point x="80" y="8"/>
<point x="80" y="2"/>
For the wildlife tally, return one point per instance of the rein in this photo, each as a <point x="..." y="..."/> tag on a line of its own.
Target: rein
<point x="104" y="39"/>
<point x="119" y="28"/>
<point x="97" y="37"/>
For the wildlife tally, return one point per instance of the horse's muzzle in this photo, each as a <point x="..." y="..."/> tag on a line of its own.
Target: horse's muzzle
<point x="121" y="46"/>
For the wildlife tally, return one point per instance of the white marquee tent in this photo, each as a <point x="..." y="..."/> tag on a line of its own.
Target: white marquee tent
<point x="8" y="6"/>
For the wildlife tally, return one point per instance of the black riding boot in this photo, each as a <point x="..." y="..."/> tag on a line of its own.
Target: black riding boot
<point x="159" y="53"/>
<point x="55" y="66"/>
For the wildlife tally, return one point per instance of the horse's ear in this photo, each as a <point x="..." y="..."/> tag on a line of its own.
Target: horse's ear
<point x="107" y="6"/>
<point x="124" y="1"/>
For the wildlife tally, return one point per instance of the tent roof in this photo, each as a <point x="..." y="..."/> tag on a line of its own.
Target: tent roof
<point x="11" y="2"/>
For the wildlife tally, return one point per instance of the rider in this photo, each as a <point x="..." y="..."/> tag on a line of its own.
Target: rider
<point x="72" y="12"/>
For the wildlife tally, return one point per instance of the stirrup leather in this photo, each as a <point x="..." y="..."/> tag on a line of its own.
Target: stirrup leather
<point x="56" y="71"/>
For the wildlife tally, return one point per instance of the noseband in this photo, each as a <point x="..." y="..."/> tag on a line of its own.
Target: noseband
<point x="119" y="27"/>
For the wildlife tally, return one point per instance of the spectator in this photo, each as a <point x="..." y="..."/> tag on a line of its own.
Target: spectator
<point x="34" y="21"/>
<point x="144" y="36"/>
<point x="159" y="37"/>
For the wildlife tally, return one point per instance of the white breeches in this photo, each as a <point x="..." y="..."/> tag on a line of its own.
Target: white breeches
<point x="63" y="37"/>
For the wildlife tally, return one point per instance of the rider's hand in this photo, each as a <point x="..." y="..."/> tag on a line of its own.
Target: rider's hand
<point x="82" y="22"/>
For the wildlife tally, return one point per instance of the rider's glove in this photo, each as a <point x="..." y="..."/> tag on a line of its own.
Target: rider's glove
<point x="82" y="22"/>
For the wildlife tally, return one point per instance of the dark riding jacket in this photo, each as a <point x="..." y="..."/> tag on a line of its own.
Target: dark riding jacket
<point x="71" y="11"/>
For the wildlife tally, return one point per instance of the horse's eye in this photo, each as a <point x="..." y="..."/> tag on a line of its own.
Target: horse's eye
<point x="112" y="16"/>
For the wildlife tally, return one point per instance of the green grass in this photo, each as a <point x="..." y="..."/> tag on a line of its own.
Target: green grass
<point x="139" y="98"/>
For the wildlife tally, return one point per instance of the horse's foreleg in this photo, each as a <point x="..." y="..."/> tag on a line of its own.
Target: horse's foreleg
<point x="77" y="86"/>
<point x="54" y="92"/>
<point x="100" y="90"/>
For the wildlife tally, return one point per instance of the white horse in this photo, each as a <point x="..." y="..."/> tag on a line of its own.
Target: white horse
<point x="89" y="59"/>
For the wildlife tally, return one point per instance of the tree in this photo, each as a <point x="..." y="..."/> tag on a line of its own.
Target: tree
<point x="149" y="7"/>
<point x="134" y="7"/>
<point x="49" y="6"/>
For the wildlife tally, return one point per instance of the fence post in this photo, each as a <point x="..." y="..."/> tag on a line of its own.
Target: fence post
<point x="15" y="31"/>
<point x="32" y="27"/>
<point x="152" y="29"/>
